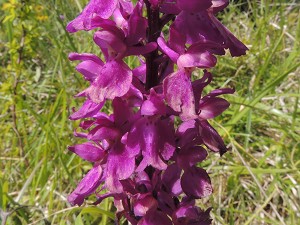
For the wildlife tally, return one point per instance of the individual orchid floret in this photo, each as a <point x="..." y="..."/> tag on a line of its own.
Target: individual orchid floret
<point x="204" y="26"/>
<point x="96" y="14"/>
<point x="199" y="54"/>
<point x="183" y="96"/>
<point x="154" y="136"/>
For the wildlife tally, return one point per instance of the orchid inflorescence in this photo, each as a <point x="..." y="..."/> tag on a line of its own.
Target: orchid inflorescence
<point x="146" y="154"/>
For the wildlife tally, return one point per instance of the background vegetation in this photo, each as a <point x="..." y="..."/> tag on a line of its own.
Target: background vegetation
<point x="257" y="182"/>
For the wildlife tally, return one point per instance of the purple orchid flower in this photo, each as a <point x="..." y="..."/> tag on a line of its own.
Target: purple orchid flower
<point x="148" y="150"/>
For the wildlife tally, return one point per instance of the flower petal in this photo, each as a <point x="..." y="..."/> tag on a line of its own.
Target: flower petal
<point x="212" y="107"/>
<point x="236" y="47"/>
<point x="93" y="15"/>
<point x="201" y="185"/>
<point x="189" y="157"/>
<point x="193" y="5"/>
<point x="143" y="204"/>
<point x="170" y="7"/>
<point x="111" y="42"/>
<point x="88" y="151"/>
<point x="177" y="40"/>
<point x="85" y="56"/>
<point x="154" y="105"/>
<point x="87" y="186"/>
<point x="120" y="166"/>
<point x="114" y="81"/>
<point x="202" y="59"/>
<point x="100" y="133"/>
<point x="167" y="50"/>
<point x="171" y="179"/>
<point x="137" y="26"/>
<point x="155" y="137"/>
<point x="219" y="5"/>
<point x="155" y="218"/>
<point x="211" y="138"/>
<point x="141" y="50"/>
<point x="89" y="69"/>
<point x="88" y="109"/>
<point x="179" y="94"/>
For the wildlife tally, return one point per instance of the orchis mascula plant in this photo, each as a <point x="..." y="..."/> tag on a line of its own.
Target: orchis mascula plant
<point x="143" y="159"/>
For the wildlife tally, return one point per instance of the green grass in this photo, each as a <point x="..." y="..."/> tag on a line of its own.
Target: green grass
<point x="257" y="182"/>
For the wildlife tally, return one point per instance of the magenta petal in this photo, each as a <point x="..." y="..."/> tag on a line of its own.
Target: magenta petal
<point x="85" y="56"/>
<point x="166" y="202"/>
<point x="212" y="107"/>
<point x="201" y="185"/>
<point x="88" y="151"/>
<point x="196" y="27"/>
<point x="86" y="186"/>
<point x="177" y="40"/>
<point x="154" y="3"/>
<point x="155" y="218"/>
<point x="192" y="215"/>
<point x="187" y="134"/>
<point x="189" y="157"/>
<point x="236" y="47"/>
<point x="120" y="166"/>
<point x="114" y="81"/>
<point x="207" y="45"/>
<point x="220" y="91"/>
<point x="167" y="50"/>
<point x="89" y="69"/>
<point x="219" y="5"/>
<point x="134" y="96"/>
<point x="122" y="112"/>
<point x="88" y="109"/>
<point x="86" y="124"/>
<point x="197" y="59"/>
<point x="143" y="204"/>
<point x="87" y="23"/>
<point x="155" y="137"/>
<point x="95" y="8"/>
<point x="203" y="27"/>
<point x="179" y="94"/>
<point x="103" y="133"/>
<point x="199" y="85"/>
<point x="170" y="7"/>
<point x="211" y="138"/>
<point x="137" y="26"/>
<point x="141" y="50"/>
<point x="193" y="5"/>
<point x="154" y="105"/>
<point x="126" y="6"/>
<point x="140" y="72"/>
<point x="171" y="179"/>
<point x="110" y="41"/>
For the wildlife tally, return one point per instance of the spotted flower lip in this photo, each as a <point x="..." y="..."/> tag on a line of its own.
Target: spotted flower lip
<point x="145" y="121"/>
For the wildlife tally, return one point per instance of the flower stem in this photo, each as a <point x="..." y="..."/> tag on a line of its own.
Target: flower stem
<point x="154" y="30"/>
